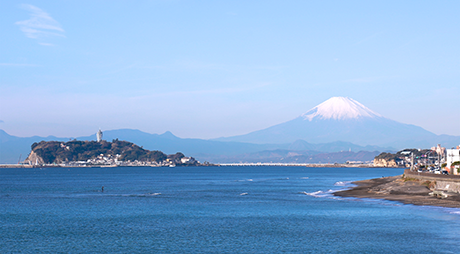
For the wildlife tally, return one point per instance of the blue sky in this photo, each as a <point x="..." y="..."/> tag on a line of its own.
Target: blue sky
<point x="208" y="69"/>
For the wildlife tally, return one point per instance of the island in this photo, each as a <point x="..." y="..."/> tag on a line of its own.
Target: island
<point x="103" y="153"/>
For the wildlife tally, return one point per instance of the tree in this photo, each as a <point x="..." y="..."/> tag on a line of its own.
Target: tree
<point x="57" y="152"/>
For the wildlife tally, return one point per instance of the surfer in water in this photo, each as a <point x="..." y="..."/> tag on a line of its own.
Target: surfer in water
<point x="102" y="189"/>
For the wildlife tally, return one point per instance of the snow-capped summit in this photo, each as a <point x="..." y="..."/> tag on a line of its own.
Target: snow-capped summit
<point x="339" y="108"/>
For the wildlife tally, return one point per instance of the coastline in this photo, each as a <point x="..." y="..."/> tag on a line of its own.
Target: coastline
<point x="396" y="188"/>
<point x="97" y="166"/>
<point x="318" y="165"/>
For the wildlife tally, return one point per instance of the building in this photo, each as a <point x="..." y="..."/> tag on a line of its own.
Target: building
<point x="187" y="160"/>
<point x="452" y="155"/>
<point x="99" y="135"/>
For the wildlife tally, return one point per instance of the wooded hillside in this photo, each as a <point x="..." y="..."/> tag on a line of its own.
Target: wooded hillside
<point x="58" y="152"/>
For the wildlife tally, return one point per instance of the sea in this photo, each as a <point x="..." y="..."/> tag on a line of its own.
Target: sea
<point x="228" y="209"/>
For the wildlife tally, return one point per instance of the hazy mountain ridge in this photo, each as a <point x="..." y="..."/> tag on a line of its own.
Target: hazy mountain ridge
<point x="337" y="125"/>
<point x="291" y="156"/>
<point x="12" y="147"/>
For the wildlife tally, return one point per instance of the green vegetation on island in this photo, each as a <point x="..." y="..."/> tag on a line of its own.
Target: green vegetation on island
<point x="103" y="152"/>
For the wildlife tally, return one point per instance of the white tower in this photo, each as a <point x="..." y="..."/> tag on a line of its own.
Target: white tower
<point x="99" y="135"/>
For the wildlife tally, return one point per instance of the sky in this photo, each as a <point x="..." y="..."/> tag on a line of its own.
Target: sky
<point x="208" y="69"/>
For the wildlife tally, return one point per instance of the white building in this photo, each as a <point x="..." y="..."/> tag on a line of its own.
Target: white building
<point x="452" y="155"/>
<point x="99" y="135"/>
<point x="187" y="160"/>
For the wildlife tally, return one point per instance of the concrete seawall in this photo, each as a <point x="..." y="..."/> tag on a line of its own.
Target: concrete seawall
<point x="16" y="166"/>
<point x="450" y="183"/>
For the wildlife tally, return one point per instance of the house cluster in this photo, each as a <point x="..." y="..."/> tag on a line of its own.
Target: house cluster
<point x="174" y="159"/>
<point x="438" y="160"/>
<point x="113" y="161"/>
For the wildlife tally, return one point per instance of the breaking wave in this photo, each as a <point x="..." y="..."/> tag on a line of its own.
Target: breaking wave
<point x="319" y="194"/>
<point x="245" y="180"/>
<point x="139" y="195"/>
<point x="263" y="179"/>
<point x="344" y="183"/>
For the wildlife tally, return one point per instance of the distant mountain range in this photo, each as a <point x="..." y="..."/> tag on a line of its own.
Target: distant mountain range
<point x="293" y="156"/>
<point x="347" y="120"/>
<point x="333" y="131"/>
<point x="11" y="147"/>
<point x="14" y="149"/>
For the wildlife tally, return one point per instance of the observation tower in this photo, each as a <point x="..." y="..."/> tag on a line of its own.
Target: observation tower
<point x="99" y="135"/>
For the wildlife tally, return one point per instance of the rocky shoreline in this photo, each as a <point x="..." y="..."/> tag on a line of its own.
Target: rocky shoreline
<point x="404" y="190"/>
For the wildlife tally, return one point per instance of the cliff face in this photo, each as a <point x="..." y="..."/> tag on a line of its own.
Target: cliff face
<point x="33" y="158"/>
<point x="385" y="163"/>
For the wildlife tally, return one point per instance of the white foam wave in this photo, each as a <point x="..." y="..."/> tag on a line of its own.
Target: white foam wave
<point x="263" y="179"/>
<point x="245" y="180"/>
<point x="140" y="195"/>
<point x="312" y="193"/>
<point x="153" y="194"/>
<point x="319" y="194"/>
<point x="243" y="194"/>
<point x="344" y="183"/>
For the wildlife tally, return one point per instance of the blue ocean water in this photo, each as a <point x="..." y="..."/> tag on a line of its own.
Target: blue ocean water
<point x="211" y="210"/>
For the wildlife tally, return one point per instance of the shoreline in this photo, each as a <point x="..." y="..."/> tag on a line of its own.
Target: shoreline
<point x="325" y="165"/>
<point x="396" y="188"/>
<point x="97" y="166"/>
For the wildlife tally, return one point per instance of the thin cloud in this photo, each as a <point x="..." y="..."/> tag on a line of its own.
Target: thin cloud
<point x="40" y="25"/>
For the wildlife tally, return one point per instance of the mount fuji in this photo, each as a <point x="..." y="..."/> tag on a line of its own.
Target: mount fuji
<point x="344" y="119"/>
<point x="322" y="134"/>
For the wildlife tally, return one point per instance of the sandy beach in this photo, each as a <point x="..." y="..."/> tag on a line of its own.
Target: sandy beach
<point x="396" y="188"/>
